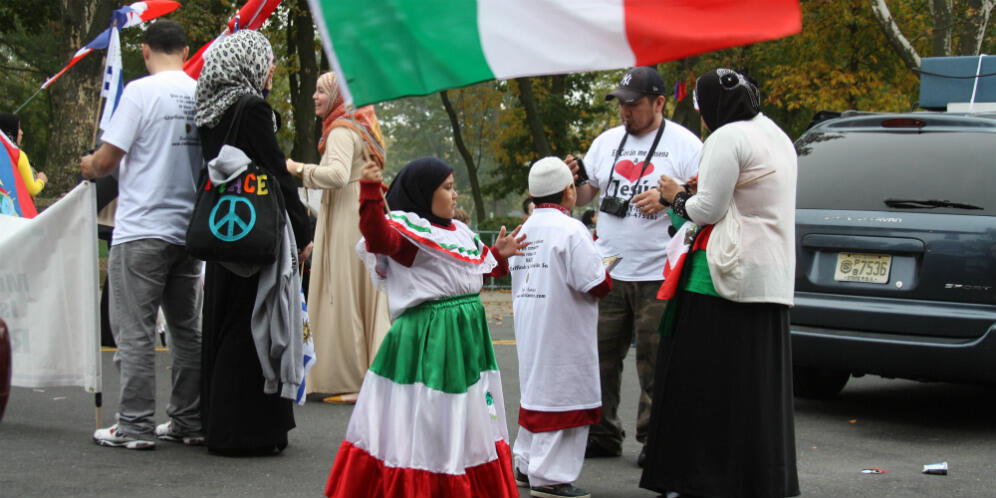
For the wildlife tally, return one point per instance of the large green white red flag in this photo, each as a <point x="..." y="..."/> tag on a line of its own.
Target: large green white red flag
<point x="394" y="48"/>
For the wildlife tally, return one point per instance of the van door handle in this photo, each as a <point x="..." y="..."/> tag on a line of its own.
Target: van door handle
<point x="862" y="243"/>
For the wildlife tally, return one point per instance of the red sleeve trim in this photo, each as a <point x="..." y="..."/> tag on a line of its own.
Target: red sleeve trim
<point x="370" y="191"/>
<point x="536" y="421"/>
<point x="601" y="290"/>
<point x="406" y="255"/>
<point x="381" y="238"/>
<point x="502" y="269"/>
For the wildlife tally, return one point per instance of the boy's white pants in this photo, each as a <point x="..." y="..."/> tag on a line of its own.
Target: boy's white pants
<point x="553" y="457"/>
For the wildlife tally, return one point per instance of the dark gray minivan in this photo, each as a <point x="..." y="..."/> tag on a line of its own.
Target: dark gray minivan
<point x="895" y="250"/>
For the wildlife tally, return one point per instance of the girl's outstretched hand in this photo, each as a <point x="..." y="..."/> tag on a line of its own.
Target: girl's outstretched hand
<point x="511" y="244"/>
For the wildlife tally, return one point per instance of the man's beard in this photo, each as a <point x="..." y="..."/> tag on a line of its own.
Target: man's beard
<point x="633" y="130"/>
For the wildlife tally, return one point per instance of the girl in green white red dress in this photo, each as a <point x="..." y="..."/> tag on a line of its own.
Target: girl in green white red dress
<point x="430" y="417"/>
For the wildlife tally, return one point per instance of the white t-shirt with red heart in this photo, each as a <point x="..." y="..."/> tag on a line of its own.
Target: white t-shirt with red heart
<point x="640" y="240"/>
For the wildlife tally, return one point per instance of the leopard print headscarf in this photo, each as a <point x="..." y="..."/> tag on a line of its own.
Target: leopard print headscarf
<point x="235" y="66"/>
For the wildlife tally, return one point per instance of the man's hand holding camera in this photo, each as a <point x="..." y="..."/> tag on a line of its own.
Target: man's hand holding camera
<point x="586" y="191"/>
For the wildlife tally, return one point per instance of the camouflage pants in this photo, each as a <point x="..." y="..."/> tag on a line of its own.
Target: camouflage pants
<point x="630" y="309"/>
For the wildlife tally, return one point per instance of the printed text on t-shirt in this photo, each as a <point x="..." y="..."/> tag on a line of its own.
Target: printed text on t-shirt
<point x="529" y="263"/>
<point x="639" y="153"/>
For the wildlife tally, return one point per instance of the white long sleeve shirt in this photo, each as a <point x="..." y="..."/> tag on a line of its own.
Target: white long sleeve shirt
<point x="759" y="263"/>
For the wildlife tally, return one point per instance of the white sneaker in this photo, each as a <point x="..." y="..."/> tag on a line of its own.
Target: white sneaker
<point x="166" y="433"/>
<point x="112" y="437"/>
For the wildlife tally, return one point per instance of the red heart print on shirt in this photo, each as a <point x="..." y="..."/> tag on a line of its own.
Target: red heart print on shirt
<point x="630" y="171"/>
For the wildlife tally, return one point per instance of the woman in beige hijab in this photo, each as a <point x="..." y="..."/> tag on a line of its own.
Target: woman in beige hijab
<point x="348" y="316"/>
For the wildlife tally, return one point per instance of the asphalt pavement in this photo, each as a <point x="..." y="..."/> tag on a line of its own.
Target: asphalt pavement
<point x="898" y="426"/>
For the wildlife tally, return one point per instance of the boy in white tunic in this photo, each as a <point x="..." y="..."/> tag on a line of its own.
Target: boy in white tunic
<point x="556" y="284"/>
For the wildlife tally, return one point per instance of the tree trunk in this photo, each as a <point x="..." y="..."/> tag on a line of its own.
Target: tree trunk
<point x="974" y="27"/>
<point x="75" y="96"/>
<point x="301" y="43"/>
<point x="941" y="12"/>
<point x="475" y="187"/>
<point x="556" y="120"/>
<point x="899" y="43"/>
<point x="528" y="101"/>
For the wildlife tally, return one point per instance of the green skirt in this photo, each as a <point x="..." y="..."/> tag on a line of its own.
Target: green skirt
<point x="443" y="344"/>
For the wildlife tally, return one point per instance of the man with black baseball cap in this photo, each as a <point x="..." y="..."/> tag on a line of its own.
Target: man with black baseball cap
<point x="638" y="82"/>
<point x="623" y="164"/>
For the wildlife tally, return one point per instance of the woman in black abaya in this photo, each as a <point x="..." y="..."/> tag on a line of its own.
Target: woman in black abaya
<point x="722" y="422"/>
<point x="239" y="417"/>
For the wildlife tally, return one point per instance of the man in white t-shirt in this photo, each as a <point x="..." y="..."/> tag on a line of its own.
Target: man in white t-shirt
<point x="556" y="284"/>
<point x="624" y="164"/>
<point x="153" y="142"/>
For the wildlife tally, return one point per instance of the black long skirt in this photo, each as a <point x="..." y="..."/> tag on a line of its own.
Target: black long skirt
<point x="238" y="418"/>
<point x="722" y="422"/>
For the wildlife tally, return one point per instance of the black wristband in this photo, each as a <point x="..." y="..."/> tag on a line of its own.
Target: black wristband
<point x="663" y="201"/>
<point x="678" y="204"/>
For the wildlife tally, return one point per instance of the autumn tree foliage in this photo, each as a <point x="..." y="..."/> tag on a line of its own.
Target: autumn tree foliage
<point x="851" y="54"/>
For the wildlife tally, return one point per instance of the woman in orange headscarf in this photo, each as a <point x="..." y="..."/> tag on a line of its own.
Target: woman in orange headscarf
<point x="348" y="316"/>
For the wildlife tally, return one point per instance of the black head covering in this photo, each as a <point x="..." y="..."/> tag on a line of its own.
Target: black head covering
<point x="9" y="124"/>
<point x="724" y="95"/>
<point x="412" y="189"/>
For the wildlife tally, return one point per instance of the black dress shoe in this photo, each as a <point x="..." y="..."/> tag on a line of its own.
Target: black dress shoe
<point x="596" y="451"/>
<point x="640" y="460"/>
<point x="521" y="479"/>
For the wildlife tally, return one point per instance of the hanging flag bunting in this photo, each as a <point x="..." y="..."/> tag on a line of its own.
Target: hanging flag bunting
<point x="113" y="79"/>
<point x="14" y="197"/>
<point x="393" y="49"/>
<point x="252" y="15"/>
<point x="680" y="91"/>
<point x="125" y="17"/>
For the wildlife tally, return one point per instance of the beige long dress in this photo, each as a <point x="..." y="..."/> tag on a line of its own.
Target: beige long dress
<point x="349" y="317"/>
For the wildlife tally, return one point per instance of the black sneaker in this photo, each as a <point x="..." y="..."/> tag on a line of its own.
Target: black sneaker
<point x="521" y="480"/>
<point x="559" y="490"/>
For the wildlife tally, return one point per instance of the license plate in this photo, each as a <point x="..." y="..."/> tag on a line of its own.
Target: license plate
<point x="869" y="268"/>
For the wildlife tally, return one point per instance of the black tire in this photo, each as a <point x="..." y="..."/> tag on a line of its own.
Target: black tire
<point x="818" y="383"/>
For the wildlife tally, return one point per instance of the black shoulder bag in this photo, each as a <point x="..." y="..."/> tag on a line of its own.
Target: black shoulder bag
<point x="240" y="221"/>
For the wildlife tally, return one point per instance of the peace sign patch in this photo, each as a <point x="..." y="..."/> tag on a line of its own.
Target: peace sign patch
<point x="232" y="225"/>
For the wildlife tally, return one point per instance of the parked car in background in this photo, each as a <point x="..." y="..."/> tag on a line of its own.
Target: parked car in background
<point x="895" y="250"/>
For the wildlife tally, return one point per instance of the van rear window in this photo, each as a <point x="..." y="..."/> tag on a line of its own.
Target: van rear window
<point x="860" y="170"/>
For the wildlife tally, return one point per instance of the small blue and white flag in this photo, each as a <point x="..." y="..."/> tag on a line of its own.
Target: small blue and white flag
<point x="113" y="79"/>
<point x="309" y="351"/>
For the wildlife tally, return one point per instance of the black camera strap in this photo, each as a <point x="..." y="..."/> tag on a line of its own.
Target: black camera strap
<point x="650" y="154"/>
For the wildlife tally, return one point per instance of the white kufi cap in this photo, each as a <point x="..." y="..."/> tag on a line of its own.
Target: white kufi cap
<point x="549" y="176"/>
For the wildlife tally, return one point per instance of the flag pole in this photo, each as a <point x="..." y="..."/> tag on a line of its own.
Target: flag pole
<point x="347" y="95"/>
<point x="98" y="398"/>
<point x="96" y="124"/>
<point x="32" y="97"/>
